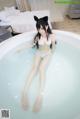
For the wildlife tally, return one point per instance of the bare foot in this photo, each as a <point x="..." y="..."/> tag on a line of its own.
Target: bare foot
<point x="38" y="103"/>
<point x="24" y="101"/>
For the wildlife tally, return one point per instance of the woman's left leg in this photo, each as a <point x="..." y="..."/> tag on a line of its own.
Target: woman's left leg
<point x="42" y="71"/>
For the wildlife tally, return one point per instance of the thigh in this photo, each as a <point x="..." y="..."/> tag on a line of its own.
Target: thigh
<point x="45" y="61"/>
<point x="36" y="60"/>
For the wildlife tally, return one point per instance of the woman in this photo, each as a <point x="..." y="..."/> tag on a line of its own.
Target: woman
<point x="44" y="42"/>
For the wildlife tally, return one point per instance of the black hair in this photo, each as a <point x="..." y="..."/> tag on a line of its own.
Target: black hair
<point x="42" y="22"/>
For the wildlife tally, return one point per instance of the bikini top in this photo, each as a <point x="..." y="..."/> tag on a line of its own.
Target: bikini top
<point x="44" y="44"/>
<point x="44" y="41"/>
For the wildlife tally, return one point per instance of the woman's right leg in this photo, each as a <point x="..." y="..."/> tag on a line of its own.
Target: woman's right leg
<point x="32" y="73"/>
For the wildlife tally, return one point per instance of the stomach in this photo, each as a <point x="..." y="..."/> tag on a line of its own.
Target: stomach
<point x="44" y="48"/>
<point x="43" y="53"/>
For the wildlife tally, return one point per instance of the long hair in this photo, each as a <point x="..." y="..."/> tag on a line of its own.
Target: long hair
<point x="42" y="22"/>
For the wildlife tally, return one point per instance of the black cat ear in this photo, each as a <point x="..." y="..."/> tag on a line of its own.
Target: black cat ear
<point x="45" y="18"/>
<point x="35" y="18"/>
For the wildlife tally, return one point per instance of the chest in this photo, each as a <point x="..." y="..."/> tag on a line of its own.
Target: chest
<point x="43" y="41"/>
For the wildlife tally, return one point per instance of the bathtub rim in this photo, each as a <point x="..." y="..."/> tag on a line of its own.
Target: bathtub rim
<point x="12" y="42"/>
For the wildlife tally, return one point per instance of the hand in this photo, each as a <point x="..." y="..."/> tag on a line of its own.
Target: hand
<point x="53" y="48"/>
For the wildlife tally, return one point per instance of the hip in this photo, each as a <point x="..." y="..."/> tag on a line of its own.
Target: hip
<point x="43" y="54"/>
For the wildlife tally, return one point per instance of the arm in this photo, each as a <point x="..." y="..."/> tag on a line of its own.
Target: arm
<point x="25" y="45"/>
<point x="53" y="40"/>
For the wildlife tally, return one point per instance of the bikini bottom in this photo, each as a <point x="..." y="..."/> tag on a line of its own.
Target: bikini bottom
<point x="43" y="54"/>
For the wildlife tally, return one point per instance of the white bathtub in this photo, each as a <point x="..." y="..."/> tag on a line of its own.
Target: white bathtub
<point x="62" y="95"/>
<point x="7" y="45"/>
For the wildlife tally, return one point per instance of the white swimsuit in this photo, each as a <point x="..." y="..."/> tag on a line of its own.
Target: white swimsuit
<point x="44" y="47"/>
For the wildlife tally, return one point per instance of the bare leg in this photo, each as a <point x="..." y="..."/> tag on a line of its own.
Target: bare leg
<point x="32" y="73"/>
<point x="42" y="71"/>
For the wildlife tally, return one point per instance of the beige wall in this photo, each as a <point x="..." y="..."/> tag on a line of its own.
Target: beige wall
<point x="8" y="3"/>
<point x="57" y="11"/>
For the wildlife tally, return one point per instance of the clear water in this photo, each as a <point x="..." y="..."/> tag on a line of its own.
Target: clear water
<point x="62" y="90"/>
